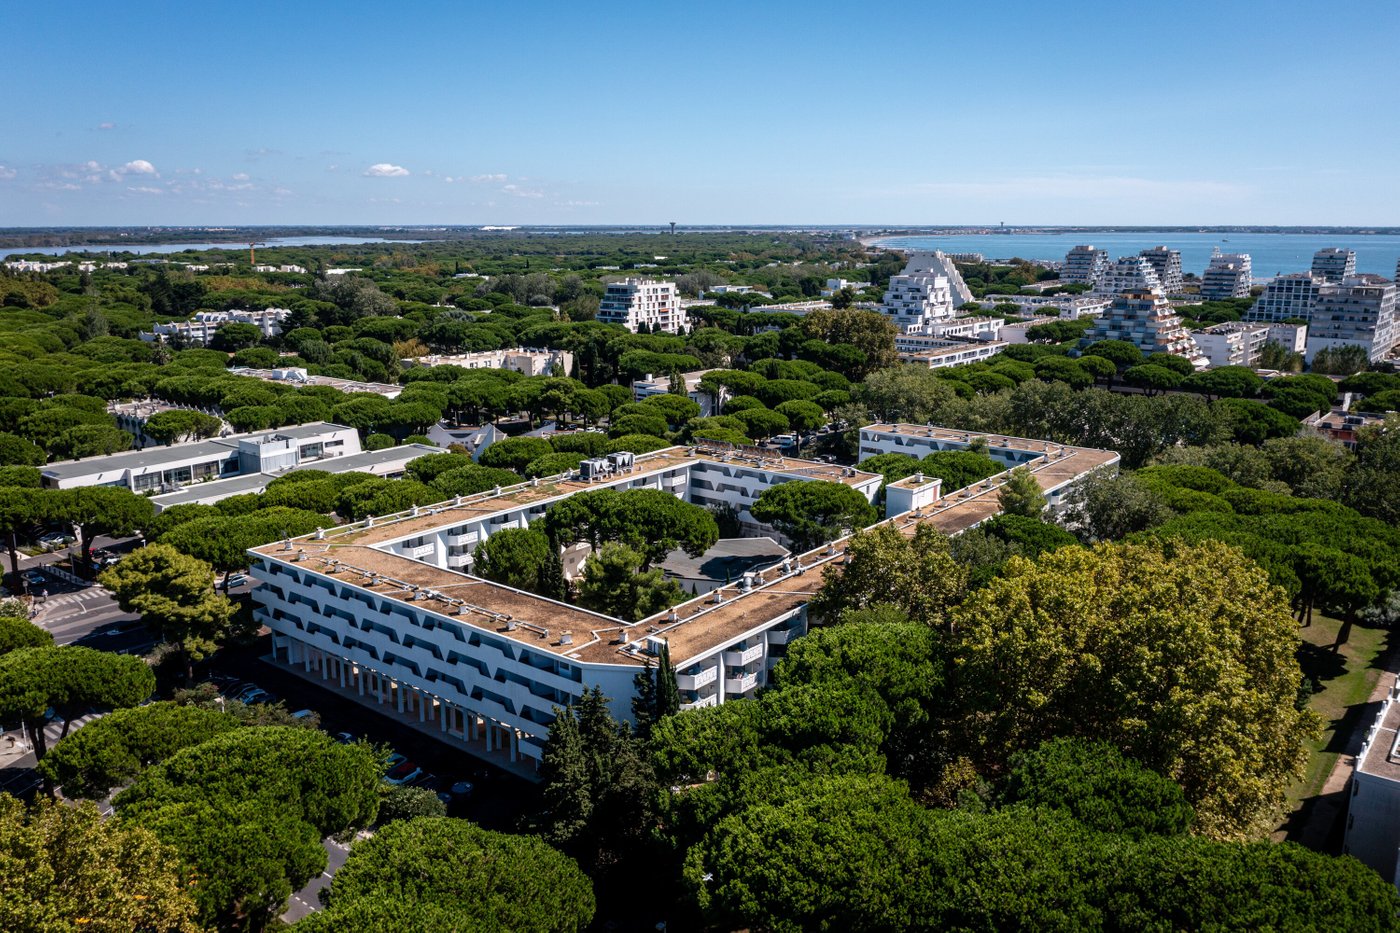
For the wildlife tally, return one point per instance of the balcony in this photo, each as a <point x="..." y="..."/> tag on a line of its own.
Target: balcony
<point x="695" y="681"/>
<point x="744" y="656"/>
<point x="466" y="537"/>
<point x="779" y="636"/>
<point x="711" y="700"/>
<point x="741" y="684"/>
<point x="422" y="550"/>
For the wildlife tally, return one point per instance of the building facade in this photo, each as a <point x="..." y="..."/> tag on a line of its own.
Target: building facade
<point x="384" y="610"/>
<point x="638" y="302"/>
<point x="1360" y="311"/>
<point x="200" y="329"/>
<point x="1229" y="275"/>
<point x="1146" y="319"/>
<point x="709" y="404"/>
<point x="1286" y="297"/>
<point x="1333" y="264"/>
<point x="929" y="289"/>
<point x="1167" y="264"/>
<point x="1373" y="808"/>
<point x="520" y="360"/>
<point x="1233" y="343"/>
<point x="1084" y="264"/>
<point x="1128" y="274"/>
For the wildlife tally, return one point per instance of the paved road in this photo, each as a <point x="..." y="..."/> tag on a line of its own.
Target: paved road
<point x="308" y="899"/>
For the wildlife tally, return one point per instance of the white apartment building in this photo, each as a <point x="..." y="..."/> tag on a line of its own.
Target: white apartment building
<point x="210" y="470"/>
<point x="520" y="360"/>
<point x="32" y="265"/>
<point x="1146" y="319"/>
<point x="835" y="285"/>
<point x="1229" y="275"/>
<point x="385" y="612"/>
<point x="929" y="289"/>
<point x="1167" y="264"/>
<point x="1333" y="264"/>
<point x="286" y="268"/>
<point x="1017" y="333"/>
<point x="1234" y="343"/>
<point x="1286" y="297"/>
<point x="1070" y="307"/>
<point x="1361" y="311"/>
<point x="1084" y="264"/>
<point x="938" y="353"/>
<point x="653" y="385"/>
<point x="634" y="302"/>
<point x="1373" y="809"/>
<point x="1292" y="337"/>
<point x="1128" y="274"/>
<point x="200" y="329"/>
<point x="298" y="376"/>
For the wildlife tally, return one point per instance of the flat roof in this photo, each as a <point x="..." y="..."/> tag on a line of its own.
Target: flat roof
<point x="448" y="513"/>
<point x="255" y="482"/>
<point x="692" y="628"/>
<point x="213" y="447"/>
<point x="1380" y="757"/>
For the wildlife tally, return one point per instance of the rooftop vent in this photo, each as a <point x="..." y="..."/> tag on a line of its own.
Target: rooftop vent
<point x="718" y="597"/>
<point x="566" y="638"/>
<point x="673" y="616"/>
<point x="320" y="534"/>
<point x="510" y="624"/>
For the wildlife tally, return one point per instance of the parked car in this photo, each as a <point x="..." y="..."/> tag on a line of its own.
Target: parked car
<point x="55" y="540"/>
<point x="346" y="738"/>
<point x="34" y="577"/>
<point x="237" y="579"/>
<point x="256" y="696"/>
<point x="404" y="772"/>
<point x="303" y="714"/>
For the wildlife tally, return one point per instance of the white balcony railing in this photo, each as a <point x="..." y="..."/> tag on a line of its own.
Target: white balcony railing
<point x="744" y="656"/>
<point x="422" y="550"/>
<point x="743" y="684"/>
<point x="695" y="681"/>
<point x="779" y="636"/>
<point x="711" y="700"/>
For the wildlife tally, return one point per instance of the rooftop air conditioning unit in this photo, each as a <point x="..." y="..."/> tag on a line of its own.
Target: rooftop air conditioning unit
<point x="566" y="638"/>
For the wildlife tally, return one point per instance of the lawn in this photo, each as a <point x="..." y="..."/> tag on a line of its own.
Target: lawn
<point x="1345" y="680"/>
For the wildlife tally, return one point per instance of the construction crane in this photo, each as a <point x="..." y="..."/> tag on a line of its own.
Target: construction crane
<point x="252" y="256"/>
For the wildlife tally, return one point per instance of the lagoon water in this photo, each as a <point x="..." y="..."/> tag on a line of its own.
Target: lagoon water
<point x="140" y="248"/>
<point x="1271" y="253"/>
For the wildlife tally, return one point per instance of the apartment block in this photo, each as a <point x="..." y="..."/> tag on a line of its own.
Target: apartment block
<point x="638" y="302"/>
<point x="1333" y="264"/>
<point x="1234" y="343"/>
<point x="520" y="360"/>
<point x="1167" y="264"/>
<point x="1084" y="264"/>
<point x="1146" y="319"/>
<point x="1286" y="297"/>
<point x="200" y="329"/>
<point x="938" y="353"/>
<point x="929" y="289"/>
<point x="1229" y="275"/>
<point x="1361" y="311"/>
<point x="1128" y="274"/>
<point x="385" y="610"/>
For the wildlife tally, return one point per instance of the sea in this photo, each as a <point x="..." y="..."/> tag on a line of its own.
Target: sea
<point x="1271" y="253"/>
<point x="142" y="248"/>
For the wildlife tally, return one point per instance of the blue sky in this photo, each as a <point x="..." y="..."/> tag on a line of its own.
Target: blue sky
<point x="712" y="113"/>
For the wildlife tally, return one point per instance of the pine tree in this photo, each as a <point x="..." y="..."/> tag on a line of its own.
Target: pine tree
<point x="568" y="787"/>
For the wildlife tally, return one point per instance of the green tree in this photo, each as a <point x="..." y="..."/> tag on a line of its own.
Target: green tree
<point x="456" y="876"/>
<point x="514" y="453"/>
<point x="810" y="512"/>
<point x="1152" y="378"/>
<point x="112" y="751"/>
<point x="598" y="787"/>
<point x="235" y="336"/>
<point x="959" y="468"/>
<point x="17" y="633"/>
<point x="101" y="510"/>
<point x="906" y="393"/>
<point x="651" y="521"/>
<point x="166" y="427"/>
<point x="917" y="575"/>
<point x="247" y="810"/>
<point x="1182" y="656"/>
<point x="615" y="584"/>
<point x="402" y="802"/>
<point x="66" y="682"/>
<point x="514" y="556"/>
<point x="1105" y="507"/>
<point x="66" y="868"/>
<point x="1100" y="788"/>
<point x="1022" y="495"/>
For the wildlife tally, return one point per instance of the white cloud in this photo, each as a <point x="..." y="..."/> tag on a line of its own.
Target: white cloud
<point x="6" y="173"/>
<point x="134" y="167"/>
<point x="385" y="170"/>
<point x="498" y="177"/>
<point x="106" y="126"/>
<point x="145" y="189"/>
<point x="519" y="192"/>
<point x="241" y="176"/>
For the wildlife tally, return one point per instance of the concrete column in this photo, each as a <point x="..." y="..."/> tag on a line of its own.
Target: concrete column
<point x="360" y="678"/>
<point x="514" y="745"/>
<point x="489" y="730"/>
<point x="399" y="691"/>
<point x="422" y="706"/>
<point x="340" y="669"/>
<point x="382" y="688"/>
<point x="325" y="666"/>
<point x="306" y="659"/>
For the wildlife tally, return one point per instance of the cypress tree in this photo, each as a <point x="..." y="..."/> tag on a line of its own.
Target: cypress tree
<point x="668" y="696"/>
<point x="644" y="703"/>
<point x="552" y="584"/>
